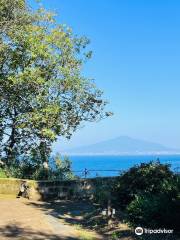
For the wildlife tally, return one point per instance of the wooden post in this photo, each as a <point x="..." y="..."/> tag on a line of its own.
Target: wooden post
<point x="109" y="212"/>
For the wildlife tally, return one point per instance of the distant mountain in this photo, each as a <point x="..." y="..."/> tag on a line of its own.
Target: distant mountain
<point x="122" y="146"/>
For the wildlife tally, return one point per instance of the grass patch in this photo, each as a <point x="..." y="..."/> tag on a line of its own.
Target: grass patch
<point x="2" y="173"/>
<point x="84" y="234"/>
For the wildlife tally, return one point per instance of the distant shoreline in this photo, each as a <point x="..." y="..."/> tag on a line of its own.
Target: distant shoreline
<point x="122" y="154"/>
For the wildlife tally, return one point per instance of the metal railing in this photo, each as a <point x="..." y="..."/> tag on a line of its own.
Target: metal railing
<point x="85" y="173"/>
<point x="95" y="172"/>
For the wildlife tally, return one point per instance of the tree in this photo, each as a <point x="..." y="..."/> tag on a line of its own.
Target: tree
<point x="13" y="14"/>
<point x="43" y="93"/>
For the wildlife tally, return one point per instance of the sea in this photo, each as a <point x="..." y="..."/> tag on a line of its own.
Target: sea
<point x="104" y="166"/>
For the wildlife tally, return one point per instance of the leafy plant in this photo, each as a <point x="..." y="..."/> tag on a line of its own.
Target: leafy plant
<point x="155" y="211"/>
<point x="2" y="173"/>
<point x="150" y="196"/>
<point x="43" y="93"/>
<point x="152" y="177"/>
<point x="64" y="168"/>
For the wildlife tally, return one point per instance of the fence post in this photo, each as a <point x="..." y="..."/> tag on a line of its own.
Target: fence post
<point x="85" y="172"/>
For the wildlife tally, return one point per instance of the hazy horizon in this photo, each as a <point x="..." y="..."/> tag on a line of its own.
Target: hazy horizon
<point x="119" y="145"/>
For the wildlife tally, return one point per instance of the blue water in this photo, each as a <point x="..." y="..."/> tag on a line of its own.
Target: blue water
<point x="101" y="165"/>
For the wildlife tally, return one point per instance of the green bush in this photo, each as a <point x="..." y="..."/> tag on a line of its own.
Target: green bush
<point x="27" y="169"/>
<point x="155" y="211"/>
<point x="63" y="168"/>
<point x="2" y="173"/>
<point x="152" y="177"/>
<point x="150" y="196"/>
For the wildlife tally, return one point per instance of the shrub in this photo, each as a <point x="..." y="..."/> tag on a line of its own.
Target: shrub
<point x="150" y="196"/>
<point x="27" y="169"/>
<point x="152" y="177"/>
<point x="63" y="168"/>
<point x="155" y="211"/>
<point x="2" y="173"/>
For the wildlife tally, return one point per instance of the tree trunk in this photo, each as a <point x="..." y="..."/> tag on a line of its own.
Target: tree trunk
<point x="12" y="140"/>
<point x="9" y="152"/>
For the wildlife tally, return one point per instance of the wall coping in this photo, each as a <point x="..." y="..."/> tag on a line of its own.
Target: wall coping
<point x="73" y="180"/>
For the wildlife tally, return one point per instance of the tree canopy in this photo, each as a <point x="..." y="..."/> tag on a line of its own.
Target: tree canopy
<point x="43" y="93"/>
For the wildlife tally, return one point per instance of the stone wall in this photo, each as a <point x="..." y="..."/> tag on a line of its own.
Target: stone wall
<point x="45" y="190"/>
<point x="9" y="186"/>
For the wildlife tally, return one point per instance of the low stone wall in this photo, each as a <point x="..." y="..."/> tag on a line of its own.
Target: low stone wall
<point x="45" y="190"/>
<point x="10" y="186"/>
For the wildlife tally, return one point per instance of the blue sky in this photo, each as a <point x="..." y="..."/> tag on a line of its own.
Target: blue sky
<point x="136" y="62"/>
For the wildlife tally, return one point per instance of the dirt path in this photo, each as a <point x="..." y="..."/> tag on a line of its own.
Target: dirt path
<point x="19" y="220"/>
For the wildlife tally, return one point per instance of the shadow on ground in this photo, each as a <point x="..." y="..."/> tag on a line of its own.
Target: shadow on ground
<point x="81" y="213"/>
<point x="14" y="231"/>
<point x="89" y="217"/>
<point x="73" y="212"/>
